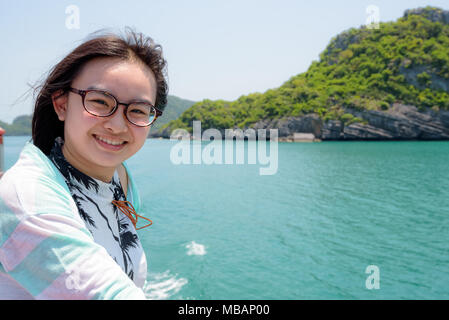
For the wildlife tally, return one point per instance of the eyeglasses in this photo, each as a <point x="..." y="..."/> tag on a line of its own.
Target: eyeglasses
<point x="103" y="104"/>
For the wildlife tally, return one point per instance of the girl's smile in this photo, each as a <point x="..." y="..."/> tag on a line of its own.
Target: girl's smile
<point x="109" y="144"/>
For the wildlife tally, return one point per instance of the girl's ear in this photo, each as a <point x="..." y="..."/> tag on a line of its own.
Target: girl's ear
<point x="60" y="100"/>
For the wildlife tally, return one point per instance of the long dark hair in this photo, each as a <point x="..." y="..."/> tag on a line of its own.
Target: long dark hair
<point x="45" y="124"/>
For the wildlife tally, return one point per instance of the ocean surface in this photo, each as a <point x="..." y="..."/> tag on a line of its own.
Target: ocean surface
<point x="338" y="220"/>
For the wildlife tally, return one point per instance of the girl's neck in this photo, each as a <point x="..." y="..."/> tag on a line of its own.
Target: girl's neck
<point x="104" y="174"/>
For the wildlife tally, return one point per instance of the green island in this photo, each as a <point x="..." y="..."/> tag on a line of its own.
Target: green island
<point x="384" y="83"/>
<point x="21" y="126"/>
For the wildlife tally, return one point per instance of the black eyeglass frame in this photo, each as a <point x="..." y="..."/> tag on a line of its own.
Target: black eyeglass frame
<point x="83" y="94"/>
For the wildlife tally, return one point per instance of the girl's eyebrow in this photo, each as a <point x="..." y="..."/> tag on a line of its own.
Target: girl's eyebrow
<point x="103" y="89"/>
<point x="96" y="88"/>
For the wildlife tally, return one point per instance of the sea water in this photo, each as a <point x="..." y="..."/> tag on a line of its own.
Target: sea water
<point x="336" y="218"/>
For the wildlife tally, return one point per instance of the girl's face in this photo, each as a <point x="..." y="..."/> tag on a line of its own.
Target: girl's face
<point x="88" y="138"/>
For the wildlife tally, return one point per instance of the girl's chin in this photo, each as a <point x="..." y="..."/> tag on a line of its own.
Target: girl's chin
<point x="109" y="161"/>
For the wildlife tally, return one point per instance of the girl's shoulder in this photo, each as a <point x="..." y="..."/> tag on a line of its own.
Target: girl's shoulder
<point x="33" y="185"/>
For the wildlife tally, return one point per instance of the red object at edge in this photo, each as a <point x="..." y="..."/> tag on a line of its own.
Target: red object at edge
<point x="2" y="132"/>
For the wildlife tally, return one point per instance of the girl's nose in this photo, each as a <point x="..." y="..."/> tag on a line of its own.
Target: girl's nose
<point x="117" y="122"/>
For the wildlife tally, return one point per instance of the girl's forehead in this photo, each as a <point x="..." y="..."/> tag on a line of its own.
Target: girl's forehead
<point x="128" y="79"/>
<point x="100" y="67"/>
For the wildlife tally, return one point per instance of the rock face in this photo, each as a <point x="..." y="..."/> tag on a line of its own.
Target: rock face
<point x="436" y="82"/>
<point x="434" y="15"/>
<point x="289" y="126"/>
<point x="165" y="134"/>
<point x="400" y="122"/>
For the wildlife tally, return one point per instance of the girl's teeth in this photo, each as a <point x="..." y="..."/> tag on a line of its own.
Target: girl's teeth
<point x="110" y="142"/>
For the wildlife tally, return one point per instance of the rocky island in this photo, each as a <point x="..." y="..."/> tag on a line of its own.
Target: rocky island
<point x="390" y="83"/>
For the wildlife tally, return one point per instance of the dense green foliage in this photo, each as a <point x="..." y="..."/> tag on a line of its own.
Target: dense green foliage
<point x="406" y="61"/>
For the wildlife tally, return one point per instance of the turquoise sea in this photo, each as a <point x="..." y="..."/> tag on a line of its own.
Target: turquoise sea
<point x="307" y="232"/>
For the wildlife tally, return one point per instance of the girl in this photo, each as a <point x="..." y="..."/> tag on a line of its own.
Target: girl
<point x="68" y="206"/>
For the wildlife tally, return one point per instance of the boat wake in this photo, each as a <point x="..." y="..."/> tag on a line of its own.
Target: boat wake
<point x="162" y="286"/>
<point x="195" y="249"/>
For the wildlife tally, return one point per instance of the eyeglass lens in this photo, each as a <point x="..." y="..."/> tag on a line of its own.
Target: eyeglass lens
<point x="102" y="104"/>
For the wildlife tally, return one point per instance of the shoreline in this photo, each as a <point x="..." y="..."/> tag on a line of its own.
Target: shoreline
<point x="291" y="140"/>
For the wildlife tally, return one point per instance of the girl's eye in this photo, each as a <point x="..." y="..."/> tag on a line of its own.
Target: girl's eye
<point x="100" y="101"/>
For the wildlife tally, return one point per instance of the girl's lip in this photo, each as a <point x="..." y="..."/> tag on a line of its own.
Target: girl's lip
<point x="109" y="146"/>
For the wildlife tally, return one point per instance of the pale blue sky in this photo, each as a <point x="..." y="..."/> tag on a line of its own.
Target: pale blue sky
<point x="215" y="49"/>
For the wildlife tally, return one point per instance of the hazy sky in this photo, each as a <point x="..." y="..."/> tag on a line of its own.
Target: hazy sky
<point x="215" y="49"/>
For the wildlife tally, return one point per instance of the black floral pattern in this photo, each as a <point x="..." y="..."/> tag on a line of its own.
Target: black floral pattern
<point x="85" y="190"/>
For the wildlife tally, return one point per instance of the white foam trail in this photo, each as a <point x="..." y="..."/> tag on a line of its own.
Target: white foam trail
<point x="162" y="286"/>
<point x="195" y="249"/>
